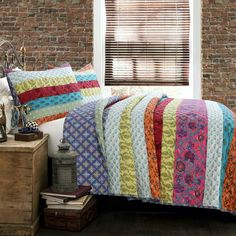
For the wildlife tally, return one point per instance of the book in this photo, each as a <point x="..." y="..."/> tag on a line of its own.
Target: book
<point x="70" y="206"/>
<point x="66" y="207"/>
<point x="55" y="199"/>
<point x="77" y="201"/>
<point x="79" y="192"/>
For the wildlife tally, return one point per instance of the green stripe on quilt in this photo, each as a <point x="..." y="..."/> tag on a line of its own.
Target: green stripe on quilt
<point x="90" y="91"/>
<point x="48" y="111"/>
<point x="100" y="106"/>
<point x="168" y="151"/>
<point x="127" y="164"/>
<point x="43" y="82"/>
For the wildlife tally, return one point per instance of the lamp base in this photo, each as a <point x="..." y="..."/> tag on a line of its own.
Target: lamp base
<point x="69" y="188"/>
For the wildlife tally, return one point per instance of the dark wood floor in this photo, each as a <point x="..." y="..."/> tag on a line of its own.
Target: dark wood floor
<point x="117" y="216"/>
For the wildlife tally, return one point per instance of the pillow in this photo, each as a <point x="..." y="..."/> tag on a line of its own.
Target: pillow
<point x="13" y="92"/>
<point x="89" y="86"/>
<point x="50" y="94"/>
<point x="7" y="100"/>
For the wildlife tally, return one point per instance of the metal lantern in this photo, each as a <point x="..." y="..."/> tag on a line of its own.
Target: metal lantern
<point x="64" y="177"/>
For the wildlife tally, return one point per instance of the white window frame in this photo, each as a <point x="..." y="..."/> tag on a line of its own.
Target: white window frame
<point x="99" y="26"/>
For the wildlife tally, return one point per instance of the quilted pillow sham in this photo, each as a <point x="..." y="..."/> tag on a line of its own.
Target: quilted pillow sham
<point x="89" y="86"/>
<point x="50" y="94"/>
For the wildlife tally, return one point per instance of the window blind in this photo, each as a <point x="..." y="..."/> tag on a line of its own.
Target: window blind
<point x="147" y="42"/>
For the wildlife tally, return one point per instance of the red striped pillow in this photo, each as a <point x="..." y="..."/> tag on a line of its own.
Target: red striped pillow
<point x="50" y="94"/>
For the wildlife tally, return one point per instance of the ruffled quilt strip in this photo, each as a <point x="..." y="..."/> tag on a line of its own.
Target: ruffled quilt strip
<point x="112" y="143"/>
<point x="140" y="148"/>
<point x="151" y="151"/>
<point x="80" y="133"/>
<point x="229" y="187"/>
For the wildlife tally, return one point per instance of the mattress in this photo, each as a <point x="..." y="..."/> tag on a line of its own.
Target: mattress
<point x="55" y="130"/>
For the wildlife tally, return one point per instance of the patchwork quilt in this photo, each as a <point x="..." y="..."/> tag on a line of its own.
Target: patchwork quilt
<point x="155" y="148"/>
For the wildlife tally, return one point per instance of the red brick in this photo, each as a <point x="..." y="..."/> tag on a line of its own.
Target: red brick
<point x="49" y="26"/>
<point x="218" y="51"/>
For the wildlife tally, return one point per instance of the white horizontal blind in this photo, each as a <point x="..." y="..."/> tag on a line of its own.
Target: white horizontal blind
<point x="147" y="42"/>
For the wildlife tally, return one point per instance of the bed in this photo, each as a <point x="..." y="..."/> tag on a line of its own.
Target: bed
<point x="55" y="130"/>
<point x="157" y="149"/>
<point x="147" y="146"/>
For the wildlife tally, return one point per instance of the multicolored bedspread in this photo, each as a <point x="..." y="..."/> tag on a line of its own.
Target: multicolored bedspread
<point x="173" y="151"/>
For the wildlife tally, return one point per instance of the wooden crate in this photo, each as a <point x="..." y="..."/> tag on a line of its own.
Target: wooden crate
<point x="23" y="174"/>
<point x="71" y="220"/>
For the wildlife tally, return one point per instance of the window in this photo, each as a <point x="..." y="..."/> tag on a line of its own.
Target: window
<point x="147" y="42"/>
<point x="193" y="90"/>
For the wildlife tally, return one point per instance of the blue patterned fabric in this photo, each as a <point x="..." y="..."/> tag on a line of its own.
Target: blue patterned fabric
<point x="53" y="100"/>
<point x="85" y="77"/>
<point x="80" y="132"/>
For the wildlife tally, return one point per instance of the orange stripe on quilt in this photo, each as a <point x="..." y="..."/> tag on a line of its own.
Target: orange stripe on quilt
<point x="51" y="118"/>
<point x="229" y="188"/>
<point x="151" y="150"/>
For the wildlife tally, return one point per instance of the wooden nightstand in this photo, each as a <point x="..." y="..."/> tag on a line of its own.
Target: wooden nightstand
<point x="23" y="174"/>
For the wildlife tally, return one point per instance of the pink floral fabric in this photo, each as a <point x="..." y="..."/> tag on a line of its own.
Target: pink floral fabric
<point x="190" y="153"/>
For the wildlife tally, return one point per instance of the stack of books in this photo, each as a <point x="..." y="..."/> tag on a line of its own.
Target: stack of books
<point x="74" y="200"/>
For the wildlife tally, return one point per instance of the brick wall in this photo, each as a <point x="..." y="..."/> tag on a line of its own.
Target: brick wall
<point x="53" y="31"/>
<point x="56" y="31"/>
<point x="219" y="51"/>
